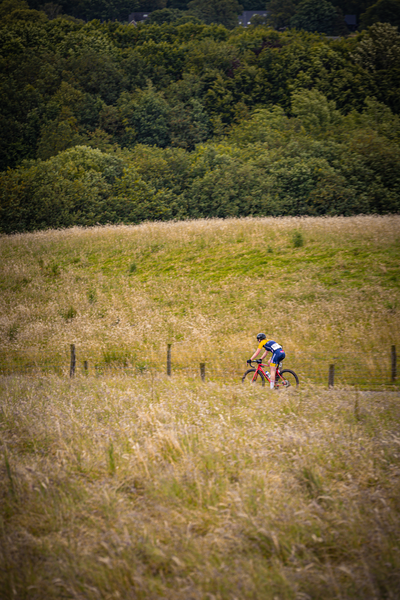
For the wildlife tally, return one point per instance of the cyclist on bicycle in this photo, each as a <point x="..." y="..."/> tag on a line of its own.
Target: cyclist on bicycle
<point x="277" y="354"/>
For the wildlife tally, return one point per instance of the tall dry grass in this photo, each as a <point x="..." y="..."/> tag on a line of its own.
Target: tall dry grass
<point x="120" y="294"/>
<point x="142" y="487"/>
<point x="150" y="488"/>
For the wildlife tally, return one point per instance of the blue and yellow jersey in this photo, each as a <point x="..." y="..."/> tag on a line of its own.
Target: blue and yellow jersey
<point x="269" y="346"/>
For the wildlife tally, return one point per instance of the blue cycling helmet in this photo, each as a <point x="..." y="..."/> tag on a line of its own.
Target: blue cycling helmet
<point x="261" y="336"/>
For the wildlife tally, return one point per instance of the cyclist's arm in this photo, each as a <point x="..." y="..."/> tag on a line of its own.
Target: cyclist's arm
<point x="257" y="352"/>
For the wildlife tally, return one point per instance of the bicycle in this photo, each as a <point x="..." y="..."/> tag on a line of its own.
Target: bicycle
<point x="283" y="379"/>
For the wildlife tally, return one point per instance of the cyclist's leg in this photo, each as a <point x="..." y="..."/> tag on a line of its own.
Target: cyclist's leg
<point x="277" y="357"/>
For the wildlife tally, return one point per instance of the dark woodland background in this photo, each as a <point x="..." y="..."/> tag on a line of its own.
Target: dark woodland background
<point x="189" y="115"/>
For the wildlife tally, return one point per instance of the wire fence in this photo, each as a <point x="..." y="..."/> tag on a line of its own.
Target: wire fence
<point x="360" y="371"/>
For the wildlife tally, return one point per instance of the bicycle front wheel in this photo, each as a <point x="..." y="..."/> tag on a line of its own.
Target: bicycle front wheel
<point x="249" y="378"/>
<point x="289" y="379"/>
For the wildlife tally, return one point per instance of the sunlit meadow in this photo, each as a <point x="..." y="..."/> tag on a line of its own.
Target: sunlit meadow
<point x="123" y="483"/>
<point x="325" y="288"/>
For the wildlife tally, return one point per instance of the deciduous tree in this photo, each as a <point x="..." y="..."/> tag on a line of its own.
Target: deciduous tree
<point x="384" y="11"/>
<point x="223" y="12"/>
<point x="145" y="116"/>
<point x="314" y="15"/>
<point x="280" y="12"/>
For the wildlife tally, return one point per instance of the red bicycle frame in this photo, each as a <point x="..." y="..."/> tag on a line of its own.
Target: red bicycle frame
<point x="267" y="376"/>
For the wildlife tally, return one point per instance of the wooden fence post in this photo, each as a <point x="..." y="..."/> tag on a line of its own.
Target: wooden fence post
<point x="203" y="371"/>
<point x="394" y="364"/>
<point x="169" y="360"/>
<point x="331" y="377"/>
<point x="73" y="361"/>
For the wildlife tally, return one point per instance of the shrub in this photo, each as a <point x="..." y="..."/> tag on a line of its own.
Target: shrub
<point x="297" y="239"/>
<point x="69" y="314"/>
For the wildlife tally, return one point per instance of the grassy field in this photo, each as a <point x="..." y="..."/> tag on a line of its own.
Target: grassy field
<point x="325" y="288"/>
<point x="148" y="488"/>
<point x="122" y="483"/>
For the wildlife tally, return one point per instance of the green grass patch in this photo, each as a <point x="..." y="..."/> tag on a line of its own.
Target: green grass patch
<point x="208" y="287"/>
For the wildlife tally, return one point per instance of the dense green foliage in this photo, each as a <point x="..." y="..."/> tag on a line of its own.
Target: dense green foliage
<point x="223" y="12"/>
<point x="280" y="12"/>
<point x="384" y="11"/>
<point x="314" y="15"/>
<point x="195" y="119"/>
<point x="317" y="162"/>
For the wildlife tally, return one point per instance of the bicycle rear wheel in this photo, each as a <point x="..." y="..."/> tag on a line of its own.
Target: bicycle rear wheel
<point x="289" y="379"/>
<point x="248" y="378"/>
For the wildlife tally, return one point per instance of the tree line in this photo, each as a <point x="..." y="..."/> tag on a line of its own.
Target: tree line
<point x="311" y="15"/>
<point x="106" y="122"/>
